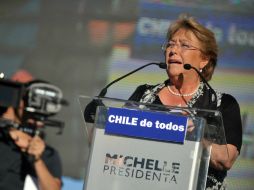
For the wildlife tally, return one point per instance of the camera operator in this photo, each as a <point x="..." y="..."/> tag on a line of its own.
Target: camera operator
<point x="26" y="161"/>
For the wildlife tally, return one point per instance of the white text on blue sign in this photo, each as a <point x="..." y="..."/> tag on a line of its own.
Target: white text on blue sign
<point x="145" y="124"/>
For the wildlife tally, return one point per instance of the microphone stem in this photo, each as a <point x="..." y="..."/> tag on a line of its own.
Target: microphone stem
<point x="204" y="80"/>
<point x="104" y="90"/>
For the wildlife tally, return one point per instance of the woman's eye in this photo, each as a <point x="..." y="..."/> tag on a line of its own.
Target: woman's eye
<point x="171" y="45"/>
<point x="186" y="46"/>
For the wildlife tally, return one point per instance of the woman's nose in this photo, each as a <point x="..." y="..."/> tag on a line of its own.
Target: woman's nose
<point x="172" y="51"/>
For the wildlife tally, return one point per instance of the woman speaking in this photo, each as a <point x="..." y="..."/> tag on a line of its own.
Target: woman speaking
<point x="190" y="43"/>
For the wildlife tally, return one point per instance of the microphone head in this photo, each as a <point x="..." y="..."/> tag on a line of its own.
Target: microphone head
<point x="162" y="65"/>
<point x="187" y="66"/>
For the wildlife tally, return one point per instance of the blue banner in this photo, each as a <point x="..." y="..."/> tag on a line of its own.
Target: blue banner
<point x="149" y="125"/>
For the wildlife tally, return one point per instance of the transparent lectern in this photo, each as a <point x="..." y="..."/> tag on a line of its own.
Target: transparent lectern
<point x="118" y="162"/>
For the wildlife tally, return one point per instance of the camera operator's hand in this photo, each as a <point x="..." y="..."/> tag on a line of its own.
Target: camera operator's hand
<point x="36" y="147"/>
<point x="20" y="138"/>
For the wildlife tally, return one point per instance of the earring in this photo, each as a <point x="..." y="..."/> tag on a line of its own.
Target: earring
<point x="200" y="70"/>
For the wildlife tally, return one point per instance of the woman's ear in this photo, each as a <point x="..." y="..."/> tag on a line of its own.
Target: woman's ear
<point x="204" y="62"/>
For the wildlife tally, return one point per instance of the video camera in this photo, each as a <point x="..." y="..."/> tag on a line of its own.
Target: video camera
<point x="41" y="101"/>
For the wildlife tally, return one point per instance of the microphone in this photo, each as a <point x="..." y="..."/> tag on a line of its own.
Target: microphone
<point x="90" y="109"/>
<point x="214" y="102"/>
<point x="104" y="90"/>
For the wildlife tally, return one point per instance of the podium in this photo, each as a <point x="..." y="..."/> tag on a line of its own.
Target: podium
<point x="151" y="157"/>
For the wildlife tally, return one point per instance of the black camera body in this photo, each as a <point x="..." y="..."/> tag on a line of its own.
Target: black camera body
<point x="11" y="94"/>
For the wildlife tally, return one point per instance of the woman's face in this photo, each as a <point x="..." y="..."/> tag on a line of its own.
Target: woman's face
<point x="183" y="48"/>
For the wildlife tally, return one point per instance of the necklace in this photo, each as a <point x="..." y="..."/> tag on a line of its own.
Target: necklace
<point x="178" y="94"/>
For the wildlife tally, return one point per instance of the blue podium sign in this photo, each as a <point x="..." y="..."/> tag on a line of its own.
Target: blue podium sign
<point x="149" y="125"/>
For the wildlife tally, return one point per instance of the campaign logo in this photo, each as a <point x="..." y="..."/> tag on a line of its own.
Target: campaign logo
<point x="146" y="124"/>
<point x="141" y="168"/>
